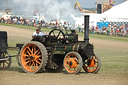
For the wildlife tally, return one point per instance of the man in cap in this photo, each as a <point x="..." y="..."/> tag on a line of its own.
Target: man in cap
<point x="38" y="33"/>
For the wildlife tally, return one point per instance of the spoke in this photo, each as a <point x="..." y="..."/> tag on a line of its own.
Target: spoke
<point x="37" y="56"/>
<point x="30" y="63"/>
<point x="53" y="33"/>
<point x="68" y="57"/>
<point x="94" y="58"/>
<point x="6" y="62"/>
<point x="75" y="69"/>
<point x="32" y="49"/>
<point x="26" y="58"/>
<point x="74" y="57"/>
<point x="36" y="65"/>
<point x="77" y="65"/>
<point x="89" y="69"/>
<point x="70" y="68"/>
<point x="25" y="55"/>
<point x="28" y="52"/>
<point x="31" y="66"/>
<point x="29" y="49"/>
<point x="38" y="62"/>
<point x="86" y="66"/>
<point x="36" y="51"/>
<point x="39" y="59"/>
<point x="27" y="62"/>
<point x="4" y="65"/>
<point x="94" y="66"/>
<point x="95" y="61"/>
<point x="58" y="34"/>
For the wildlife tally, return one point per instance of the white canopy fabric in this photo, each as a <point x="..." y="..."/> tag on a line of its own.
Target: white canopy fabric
<point x="118" y="12"/>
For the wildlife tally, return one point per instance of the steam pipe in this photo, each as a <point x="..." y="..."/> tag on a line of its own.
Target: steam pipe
<point x="86" y="28"/>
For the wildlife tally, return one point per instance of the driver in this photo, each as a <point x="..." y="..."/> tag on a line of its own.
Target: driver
<point x="38" y="33"/>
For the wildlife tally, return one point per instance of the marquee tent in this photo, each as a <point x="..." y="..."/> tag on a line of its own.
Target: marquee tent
<point x="117" y="13"/>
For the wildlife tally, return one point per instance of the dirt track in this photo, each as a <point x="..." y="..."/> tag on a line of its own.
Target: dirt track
<point x="15" y="75"/>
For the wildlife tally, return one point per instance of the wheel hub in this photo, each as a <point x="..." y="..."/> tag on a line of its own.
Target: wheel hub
<point x="31" y="57"/>
<point x="72" y="63"/>
<point x="91" y="63"/>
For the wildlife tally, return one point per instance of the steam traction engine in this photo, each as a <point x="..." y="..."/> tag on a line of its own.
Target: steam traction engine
<point x="5" y="59"/>
<point x="58" y="51"/>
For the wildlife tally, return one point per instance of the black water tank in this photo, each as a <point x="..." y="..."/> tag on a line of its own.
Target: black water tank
<point x="3" y="41"/>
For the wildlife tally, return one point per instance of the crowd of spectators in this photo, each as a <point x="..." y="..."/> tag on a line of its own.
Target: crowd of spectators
<point x="115" y="30"/>
<point x="37" y="23"/>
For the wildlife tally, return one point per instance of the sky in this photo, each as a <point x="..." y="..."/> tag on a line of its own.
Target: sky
<point x="83" y="3"/>
<point x="90" y="3"/>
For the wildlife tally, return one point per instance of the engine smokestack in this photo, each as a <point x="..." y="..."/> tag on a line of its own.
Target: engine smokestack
<point x="86" y="28"/>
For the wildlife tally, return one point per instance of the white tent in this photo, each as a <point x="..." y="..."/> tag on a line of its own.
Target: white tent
<point x="94" y="18"/>
<point x="117" y="13"/>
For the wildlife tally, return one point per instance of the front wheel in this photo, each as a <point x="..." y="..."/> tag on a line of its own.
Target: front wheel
<point x="92" y="64"/>
<point x="72" y="63"/>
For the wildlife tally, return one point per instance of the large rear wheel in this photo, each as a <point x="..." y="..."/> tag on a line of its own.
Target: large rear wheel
<point x="72" y="63"/>
<point x="92" y="64"/>
<point x="33" y="57"/>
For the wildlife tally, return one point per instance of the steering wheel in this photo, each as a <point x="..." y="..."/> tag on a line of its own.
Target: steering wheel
<point x="57" y="33"/>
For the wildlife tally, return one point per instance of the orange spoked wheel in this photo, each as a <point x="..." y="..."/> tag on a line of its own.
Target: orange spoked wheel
<point x="73" y="63"/>
<point x="33" y="57"/>
<point x="92" y="64"/>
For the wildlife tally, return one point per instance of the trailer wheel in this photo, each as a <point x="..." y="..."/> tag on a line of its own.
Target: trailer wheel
<point x="92" y="64"/>
<point x="5" y="64"/>
<point x="33" y="57"/>
<point x="72" y="63"/>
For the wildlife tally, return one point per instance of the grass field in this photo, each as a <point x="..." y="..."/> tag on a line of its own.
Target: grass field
<point x="112" y="50"/>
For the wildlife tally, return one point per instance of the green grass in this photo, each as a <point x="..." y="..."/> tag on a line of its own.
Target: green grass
<point x="113" y="61"/>
<point x="117" y="38"/>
